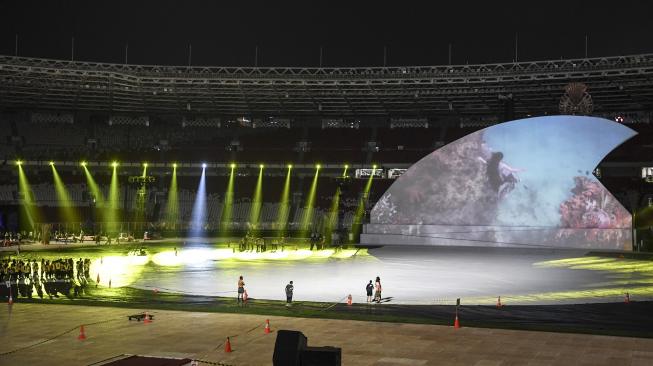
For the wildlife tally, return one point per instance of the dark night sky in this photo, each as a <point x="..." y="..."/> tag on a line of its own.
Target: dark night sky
<point x="225" y="32"/>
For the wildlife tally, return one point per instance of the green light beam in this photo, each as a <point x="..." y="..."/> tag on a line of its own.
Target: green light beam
<point x="284" y="206"/>
<point x="227" y="209"/>
<point x="65" y="202"/>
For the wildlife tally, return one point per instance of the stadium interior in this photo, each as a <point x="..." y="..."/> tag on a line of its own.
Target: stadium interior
<point x="164" y="161"/>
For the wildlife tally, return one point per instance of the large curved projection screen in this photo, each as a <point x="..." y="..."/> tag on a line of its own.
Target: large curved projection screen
<point x="525" y="183"/>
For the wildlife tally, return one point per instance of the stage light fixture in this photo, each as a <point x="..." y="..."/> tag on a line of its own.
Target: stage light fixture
<point x="144" y="165"/>
<point x="232" y="165"/>
<point x="261" y="166"/>
<point x="18" y="162"/>
<point x="318" y="166"/>
<point x="51" y="163"/>
<point x="174" y="165"/>
<point x="346" y="166"/>
<point x="374" y="166"/>
<point x="83" y="163"/>
<point x="203" y="165"/>
<point x="289" y="166"/>
<point x="114" y="164"/>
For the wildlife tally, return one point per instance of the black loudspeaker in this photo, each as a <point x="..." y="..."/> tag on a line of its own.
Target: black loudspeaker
<point x="322" y="356"/>
<point x="288" y="348"/>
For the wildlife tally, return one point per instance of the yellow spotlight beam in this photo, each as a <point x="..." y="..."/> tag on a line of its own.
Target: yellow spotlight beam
<point x="360" y="209"/>
<point x="172" y="205"/>
<point x="227" y="209"/>
<point x="114" y="203"/>
<point x="332" y="222"/>
<point x="31" y="210"/>
<point x="284" y="205"/>
<point x="65" y="202"/>
<point x="141" y="196"/>
<point x="92" y="184"/>
<point x="257" y="198"/>
<point x="308" y="214"/>
<point x="95" y="189"/>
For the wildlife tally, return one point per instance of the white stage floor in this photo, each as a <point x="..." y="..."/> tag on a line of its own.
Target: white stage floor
<point x="414" y="275"/>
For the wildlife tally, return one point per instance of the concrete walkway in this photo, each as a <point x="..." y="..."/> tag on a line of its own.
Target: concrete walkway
<point x="201" y="336"/>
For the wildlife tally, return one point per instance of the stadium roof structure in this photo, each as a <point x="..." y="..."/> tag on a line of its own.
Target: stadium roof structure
<point x="616" y="84"/>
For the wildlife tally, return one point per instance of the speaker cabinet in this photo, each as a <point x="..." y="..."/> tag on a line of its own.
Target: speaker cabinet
<point x="321" y="356"/>
<point x="288" y="348"/>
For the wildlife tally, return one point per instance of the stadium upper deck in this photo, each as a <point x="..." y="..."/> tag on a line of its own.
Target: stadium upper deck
<point x="617" y="84"/>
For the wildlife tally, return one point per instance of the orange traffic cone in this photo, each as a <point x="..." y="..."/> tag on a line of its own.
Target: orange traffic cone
<point x="499" y="304"/>
<point x="82" y="335"/>
<point x="267" y="326"/>
<point x="147" y="318"/>
<point x="349" y="299"/>
<point x="227" y="346"/>
<point x="456" y="323"/>
<point x="627" y="298"/>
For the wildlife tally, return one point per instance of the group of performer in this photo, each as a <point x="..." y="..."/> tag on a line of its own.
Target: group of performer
<point x="21" y="278"/>
<point x="258" y="244"/>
